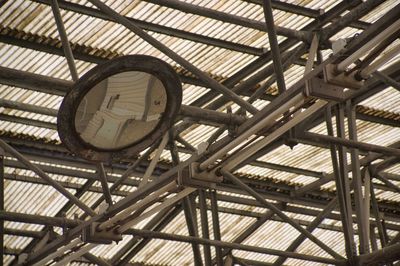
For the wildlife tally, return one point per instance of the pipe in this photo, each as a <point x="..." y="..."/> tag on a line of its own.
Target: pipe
<point x="368" y="46"/>
<point x="268" y="120"/>
<point x="45" y="177"/>
<point x="245" y="153"/>
<point x="151" y="198"/>
<point x="237" y="246"/>
<point x="389" y="55"/>
<point x="64" y="40"/>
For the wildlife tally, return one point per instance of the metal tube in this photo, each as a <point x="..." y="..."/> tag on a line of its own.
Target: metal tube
<point x="126" y="212"/>
<point x="352" y="144"/>
<point x="28" y="107"/>
<point x="64" y="39"/>
<point x="2" y="153"/>
<point x="270" y="119"/>
<point x="74" y="255"/>
<point x="211" y="115"/>
<point x="387" y="56"/>
<point x="360" y="206"/>
<point x="154" y="161"/>
<point x="216" y="226"/>
<point x="278" y="212"/>
<point x="245" y="153"/>
<point x="368" y="46"/>
<point x="59" y="252"/>
<point x="386" y="254"/>
<point x="163" y="220"/>
<point x="311" y="227"/>
<point x="48" y="179"/>
<point x="104" y="184"/>
<point x="273" y="42"/>
<point x="213" y="84"/>
<point x="342" y="182"/>
<point x="229" y="18"/>
<point x="156" y="209"/>
<point x="204" y="226"/>
<point x="223" y="244"/>
<point x="386" y="79"/>
<point x="190" y="218"/>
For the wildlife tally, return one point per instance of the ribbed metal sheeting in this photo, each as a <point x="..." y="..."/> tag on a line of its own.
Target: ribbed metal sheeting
<point x="221" y="63"/>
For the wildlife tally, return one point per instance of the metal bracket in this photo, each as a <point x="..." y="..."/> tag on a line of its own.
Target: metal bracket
<point x="318" y="88"/>
<point x="341" y="79"/>
<point x="90" y="234"/>
<point x="191" y="176"/>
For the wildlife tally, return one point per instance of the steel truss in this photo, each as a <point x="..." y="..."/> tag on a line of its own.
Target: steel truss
<point x="197" y="186"/>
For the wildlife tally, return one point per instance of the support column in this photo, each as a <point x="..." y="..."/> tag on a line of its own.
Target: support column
<point x="204" y="226"/>
<point x="1" y="202"/>
<point x="341" y="179"/>
<point x="360" y="204"/>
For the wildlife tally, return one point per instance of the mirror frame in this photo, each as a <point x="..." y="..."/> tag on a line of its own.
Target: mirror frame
<point x="142" y="63"/>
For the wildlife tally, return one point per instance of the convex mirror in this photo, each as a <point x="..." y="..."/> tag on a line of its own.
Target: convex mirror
<point x="119" y="108"/>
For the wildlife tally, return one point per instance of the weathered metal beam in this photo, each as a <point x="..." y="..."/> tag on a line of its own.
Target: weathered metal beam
<point x="351" y="144"/>
<point x="64" y="39"/>
<point x="273" y="43"/>
<point x="340" y="170"/>
<point x="311" y="227"/>
<point x="223" y="244"/>
<point x="278" y="212"/>
<point x="48" y="179"/>
<point x="229" y="18"/>
<point x="88" y="11"/>
<point x="204" y="225"/>
<point x="216" y="226"/>
<point x="361" y="206"/>
<point x="386" y="254"/>
<point x="2" y="232"/>
<point x="307" y="12"/>
<point x="157" y="223"/>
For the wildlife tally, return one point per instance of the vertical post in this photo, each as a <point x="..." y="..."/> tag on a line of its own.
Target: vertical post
<point x="189" y="209"/>
<point x="360" y="204"/>
<point x="216" y="225"/>
<point x="2" y="201"/>
<point x="373" y="239"/>
<point x="204" y="226"/>
<point x="376" y="213"/>
<point x="192" y="229"/>
<point x="338" y="173"/>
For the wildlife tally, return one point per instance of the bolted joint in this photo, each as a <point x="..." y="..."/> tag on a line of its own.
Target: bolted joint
<point x="92" y="234"/>
<point x="192" y="176"/>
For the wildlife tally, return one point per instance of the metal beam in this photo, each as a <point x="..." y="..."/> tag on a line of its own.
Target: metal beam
<point x="311" y="227"/>
<point x="92" y="12"/>
<point x="273" y="43"/>
<point x="223" y="244"/>
<point x="278" y="212"/>
<point x="2" y="232"/>
<point x="48" y="179"/>
<point x="386" y="254"/>
<point x="216" y="225"/>
<point x="229" y="18"/>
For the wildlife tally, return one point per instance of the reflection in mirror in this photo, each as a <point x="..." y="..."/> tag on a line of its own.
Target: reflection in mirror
<point x="121" y="110"/>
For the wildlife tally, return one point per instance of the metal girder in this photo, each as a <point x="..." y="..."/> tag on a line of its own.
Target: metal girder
<point x="77" y="8"/>
<point x="225" y="17"/>
<point x="223" y="244"/>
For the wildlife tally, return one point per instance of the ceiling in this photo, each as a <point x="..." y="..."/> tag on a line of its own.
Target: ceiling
<point x="227" y="41"/>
